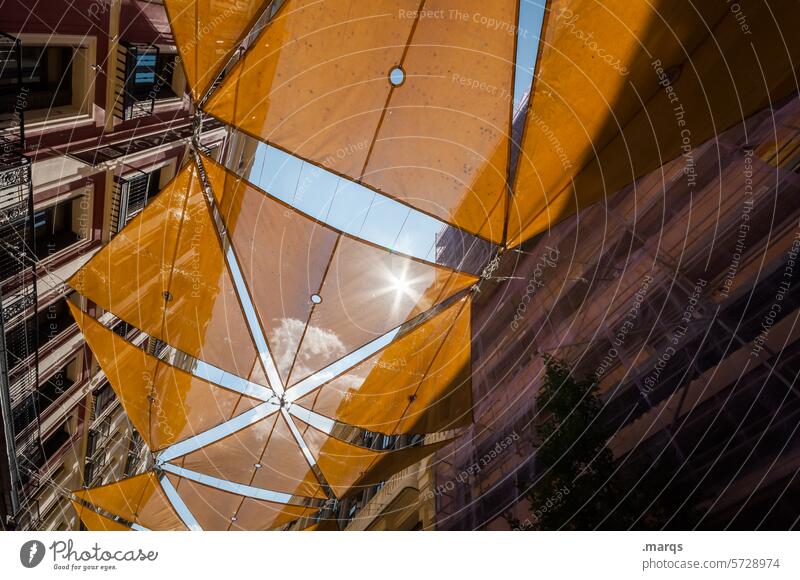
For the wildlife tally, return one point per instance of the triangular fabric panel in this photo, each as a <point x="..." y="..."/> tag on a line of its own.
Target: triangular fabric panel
<point x="165" y="274"/>
<point x="164" y="403"/>
<point x="139" y="500"/>
<point x="347" y="468"/>
<point x="318" y="83"/>
<point x="263" y="455"/>
<point x="597" y="122"/>
<point x="220" y="510"/>
<point x="420" y="383"/>
<point x="207" y="32"/>
<point x="320" y="294"/>
<point x="95" y="522"/>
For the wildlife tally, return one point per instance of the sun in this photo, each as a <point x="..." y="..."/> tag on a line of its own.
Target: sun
<point x="400" y="285"/>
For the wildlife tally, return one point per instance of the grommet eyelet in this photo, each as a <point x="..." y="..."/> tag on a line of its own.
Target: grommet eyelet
<point x="397" y="76"/>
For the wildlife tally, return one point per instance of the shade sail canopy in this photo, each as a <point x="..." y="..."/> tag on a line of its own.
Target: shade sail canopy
<point x="237" y="446"/>
<point x="420" y="383"/>
<point x="148" y="502"/>
<point x="319" y="293"/>
<point x="415" y="103"/>
<point x="623" y="87"/>
<point x="164" y="403"/>
<point x="257" y="448"/>
<point x="165" y="274"/>
<point x="95" y="522"/>
<point x="620" y="88"/>
<point x="264" y="455"/>
<point x="349" y="467"/>
<point x="139" y="500"/>
<point x="218" y="510"/>
<point x="207" y="32"/>
<point x="267" y="455"/>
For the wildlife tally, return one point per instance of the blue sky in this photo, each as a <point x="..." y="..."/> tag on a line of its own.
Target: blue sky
<point x="531" y="13"/>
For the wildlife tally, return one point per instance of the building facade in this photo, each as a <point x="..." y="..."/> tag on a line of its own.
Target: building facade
<point x="95" y="121"/>
<point x="680" y="294"/>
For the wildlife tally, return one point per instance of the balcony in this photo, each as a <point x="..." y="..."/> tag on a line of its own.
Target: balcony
<point x="136" y="77"/>
<point x="18" y="339"/>
<point x="144" y="76"/>
<point x="131" y="195"/>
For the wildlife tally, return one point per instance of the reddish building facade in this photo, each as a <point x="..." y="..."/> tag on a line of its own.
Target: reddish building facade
<point x="95" y="110"/>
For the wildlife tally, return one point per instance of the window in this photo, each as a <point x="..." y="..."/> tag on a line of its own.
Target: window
<point x="52" y="320"/>
<point x="56" y="441"/>
<point x="156" y="347"/>
<point x="131" y="196"/>
<point x="123" y="329"/>
<point x="13" y="239"/>
<point x="47" y="393"/>
<point x="20" y="343"/>
<point x="55" y="78"/>
<point x="144" y="70"/>
<point x="25" y="413"/>
<point x="130" y="464"/>
<point x="152" y="75"/>
<point x="141" y="190"/>
<point x="49" y="323"/>
<point x="132" y="461"/>
<point x="57" y="385"/>
<point x="104" y="398"/>
<point x="88" y="476"/>
<point x="46" y="78"/>
<point x="59" y="226"/>
<point x="145" y="75"/>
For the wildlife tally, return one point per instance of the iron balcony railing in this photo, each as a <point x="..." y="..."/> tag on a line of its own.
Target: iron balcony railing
<point x="137" y="75"/>
<point x="131" y="195"/>
<point x="19" y="365"/>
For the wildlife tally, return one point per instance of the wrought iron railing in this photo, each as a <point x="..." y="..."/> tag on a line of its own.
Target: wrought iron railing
<point x="19" y="368"/>
<point x="131" y="195"/>
<point x="137" y="75"/>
